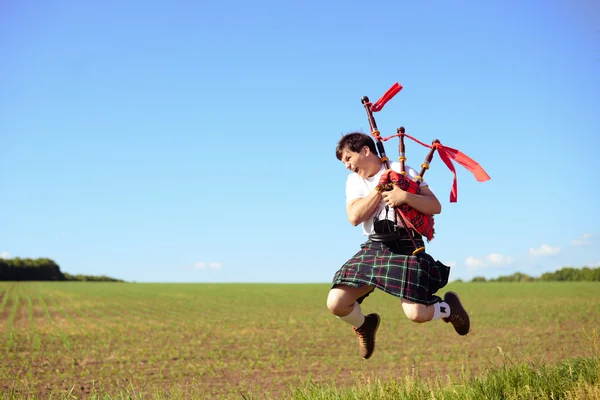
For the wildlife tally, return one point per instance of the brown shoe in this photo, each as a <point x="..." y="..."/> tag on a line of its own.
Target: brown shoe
<point x="366" y="335"/>
<point x="458" y="315"/>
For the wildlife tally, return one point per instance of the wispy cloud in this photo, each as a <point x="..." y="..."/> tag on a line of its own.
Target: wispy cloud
<point x="491" y="260"/>
<point x="211" y="264"/>
<point x="583" y="240"/>
<point x="473" y="262"/>
<point x="451" y="264"/>
<point x="544" y="250"/>
<point x="5" y="255"/>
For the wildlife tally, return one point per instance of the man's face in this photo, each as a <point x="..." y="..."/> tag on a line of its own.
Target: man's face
<point x="356" y="162"/>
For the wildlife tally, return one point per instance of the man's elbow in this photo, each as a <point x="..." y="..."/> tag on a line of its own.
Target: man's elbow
<point x="354" y="220"/>
<point x="434" y="207"/>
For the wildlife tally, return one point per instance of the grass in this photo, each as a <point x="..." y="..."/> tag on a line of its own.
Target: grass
<point x="576" y="378"/>
<point x="121" y="340"/>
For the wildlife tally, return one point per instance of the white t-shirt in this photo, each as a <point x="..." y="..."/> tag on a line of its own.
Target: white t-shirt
<point x="358" y="187"/>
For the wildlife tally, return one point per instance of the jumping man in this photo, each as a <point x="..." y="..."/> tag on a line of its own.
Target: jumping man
<point x="386" y="261"/>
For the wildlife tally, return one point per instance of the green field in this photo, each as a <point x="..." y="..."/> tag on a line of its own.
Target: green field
<point x="260" y="340"/>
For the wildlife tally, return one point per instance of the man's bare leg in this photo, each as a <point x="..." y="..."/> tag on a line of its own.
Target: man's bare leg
<point x="417" y="312"/>
<point x="449" y="310"/>
<point x="341" y="300"/>
<point x="342" y="303"/>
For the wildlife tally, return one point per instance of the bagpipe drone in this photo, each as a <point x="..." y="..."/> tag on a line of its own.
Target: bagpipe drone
<point x="422" y="223"/>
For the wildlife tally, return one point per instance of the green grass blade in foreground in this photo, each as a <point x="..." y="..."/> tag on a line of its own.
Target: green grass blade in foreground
<point x="578" y="378"/>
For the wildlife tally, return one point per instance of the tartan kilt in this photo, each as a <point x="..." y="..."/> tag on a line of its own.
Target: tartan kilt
<point x="413" y="277"/>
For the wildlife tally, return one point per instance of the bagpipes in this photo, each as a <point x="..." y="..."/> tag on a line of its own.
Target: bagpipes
<point x="422" y="223"/>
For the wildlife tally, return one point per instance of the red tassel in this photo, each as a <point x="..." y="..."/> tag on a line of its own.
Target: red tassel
<point x="447" y="154"/>
<point x="396" y="87"/>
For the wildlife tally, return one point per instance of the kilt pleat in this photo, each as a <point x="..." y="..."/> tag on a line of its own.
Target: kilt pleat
<point x="413" y="277"/>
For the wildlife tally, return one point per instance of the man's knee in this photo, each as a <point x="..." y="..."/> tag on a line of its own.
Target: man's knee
<point x="416" y="312"/>
<point x="340" y="300"/>
<point x="334" y="302"/>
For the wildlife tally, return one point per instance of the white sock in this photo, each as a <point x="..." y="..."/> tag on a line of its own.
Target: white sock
<point x="356" y="318"/>
<point x="440" y="310"/>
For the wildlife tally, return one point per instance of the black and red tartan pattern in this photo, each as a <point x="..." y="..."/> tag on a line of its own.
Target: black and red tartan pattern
<point x="423" y="223"/>
<point x="413" y="277"/>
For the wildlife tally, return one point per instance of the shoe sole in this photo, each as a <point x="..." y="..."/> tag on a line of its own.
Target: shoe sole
<point x="465" y="311"/>
<point x="374" y="338"/>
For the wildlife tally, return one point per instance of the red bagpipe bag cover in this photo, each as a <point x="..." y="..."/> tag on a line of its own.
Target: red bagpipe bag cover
<point x="423" y="223"/>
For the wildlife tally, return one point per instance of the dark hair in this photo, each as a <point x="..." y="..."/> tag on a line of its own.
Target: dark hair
<point x="354" y="141"/>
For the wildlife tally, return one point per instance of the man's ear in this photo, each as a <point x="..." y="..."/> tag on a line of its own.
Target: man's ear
<point x="366" y="150"/>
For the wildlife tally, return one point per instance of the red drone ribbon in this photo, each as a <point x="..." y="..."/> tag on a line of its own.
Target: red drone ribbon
<point x="447" y="154"/>
<point x="396" y="87"/>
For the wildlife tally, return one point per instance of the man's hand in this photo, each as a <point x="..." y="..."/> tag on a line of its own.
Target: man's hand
<point x="395" y="197"/>
<point x="425" y="201"/>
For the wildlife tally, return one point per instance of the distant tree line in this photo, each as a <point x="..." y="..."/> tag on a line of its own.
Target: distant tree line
<point x="563" y="274"/>
<point x="41" y="269"/>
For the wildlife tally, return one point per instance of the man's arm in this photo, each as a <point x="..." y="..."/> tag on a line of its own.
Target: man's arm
<point x="425" y="202"/>
<point x="360" y="209"/>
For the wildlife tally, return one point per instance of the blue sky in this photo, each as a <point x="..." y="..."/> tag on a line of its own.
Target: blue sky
<point x="183" y="141"/>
